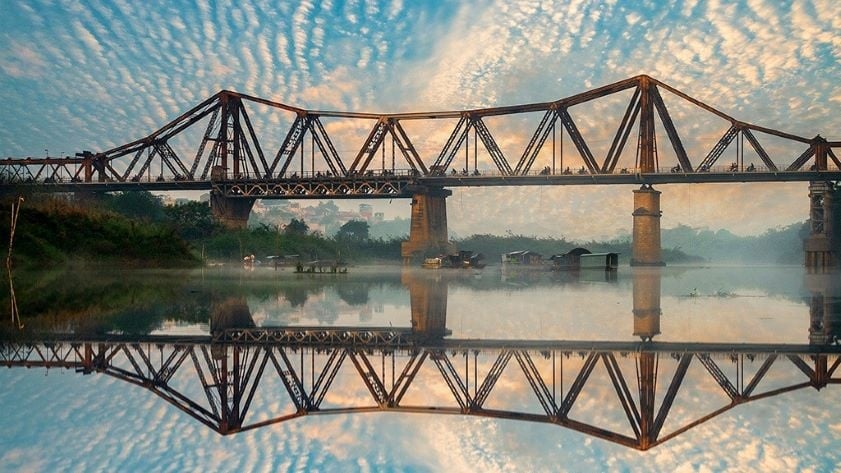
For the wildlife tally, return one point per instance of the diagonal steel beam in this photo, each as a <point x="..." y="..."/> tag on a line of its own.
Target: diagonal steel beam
<point x="760" y="373"/>
<point x="578" y="385"/>
<point x="720" y="377"/>
<point x="452" y="378"/>
<point x="325" y="379"/>
<point x="407" y="149"/>
<point x="490" y="145"/>
<point x="622" y="391"/>
<point x="211" y="124"/>
<point x="369" y="377"/>
<point x="369" y="148"/>
<point x="291" y="380"/>
<point x="622" y="133"/>
<point x="537" y="384"/>
<point x="760" y="151"/>
<point x="294" y="138"/>
<point x="669" y="125"/>
<point x="718" y="149"/>
<point x="536" y="143"/>
<point x="802" y="159"/>
<point x="493" y="376"/>
<point x="671" y="394"/>
<point x="257" y="148"/>
<point x="448" y="152"/>
<point x="406" y="377"/>
<point x="578" y="140"/>
<point x="802" y="366"/>
<point x="255" y="382"/>
<point x="206" y="386"/>
<point x="325" y="145"/>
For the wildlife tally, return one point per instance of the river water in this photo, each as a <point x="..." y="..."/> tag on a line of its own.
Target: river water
<point x="391" y="369"/>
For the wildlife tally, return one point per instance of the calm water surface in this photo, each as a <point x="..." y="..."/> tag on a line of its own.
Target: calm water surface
<point x="390" y="369"/>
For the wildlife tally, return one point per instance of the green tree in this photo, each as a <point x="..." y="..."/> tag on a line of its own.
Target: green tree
<point x="296" y="227"/>
<point x="137" y="204"/>
<point x="191" y="220"/>
<point x="354" y="230"/>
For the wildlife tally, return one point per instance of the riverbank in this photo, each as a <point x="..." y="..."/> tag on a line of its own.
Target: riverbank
<point x="55" y="233"/>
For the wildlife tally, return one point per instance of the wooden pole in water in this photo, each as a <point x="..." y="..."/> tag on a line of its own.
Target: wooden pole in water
<point x="14" y="223"/>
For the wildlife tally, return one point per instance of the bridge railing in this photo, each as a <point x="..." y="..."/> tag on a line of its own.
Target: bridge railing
<point x="583" y="171"/>
<point x="318" y="174"/>
<point x="732" y="168"/>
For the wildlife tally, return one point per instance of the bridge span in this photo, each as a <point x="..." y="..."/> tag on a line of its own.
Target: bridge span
<point x="227" y="159"/>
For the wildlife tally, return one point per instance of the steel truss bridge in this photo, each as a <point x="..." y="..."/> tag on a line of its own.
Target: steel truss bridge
<point x="217" y="380"/>
<point x="229" y="159"/>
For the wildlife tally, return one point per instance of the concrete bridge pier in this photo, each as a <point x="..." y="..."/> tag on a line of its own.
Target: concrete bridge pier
<point x="645" y="247"/>
<point x="231" y="212"/>
<point x="822" y="247"/>
<point x="428" y="228"/>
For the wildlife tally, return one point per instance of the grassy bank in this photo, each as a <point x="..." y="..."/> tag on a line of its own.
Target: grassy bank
<point x="52" y="232"/>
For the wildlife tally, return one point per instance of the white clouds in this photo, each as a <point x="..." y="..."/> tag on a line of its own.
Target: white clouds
<point x="747" y="57"/>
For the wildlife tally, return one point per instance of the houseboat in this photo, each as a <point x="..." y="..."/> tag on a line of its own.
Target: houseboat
<point x="464" y="259"/>
<point x="582" y="258"/>
<point x="522" y="258"/>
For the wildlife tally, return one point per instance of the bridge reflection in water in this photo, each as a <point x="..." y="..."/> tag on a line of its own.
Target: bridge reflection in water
<point x="218" y="379"/>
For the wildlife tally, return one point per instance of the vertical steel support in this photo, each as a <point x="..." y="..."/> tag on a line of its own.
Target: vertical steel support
<point x="647" y="144"/>
<point x="647" y="372"/>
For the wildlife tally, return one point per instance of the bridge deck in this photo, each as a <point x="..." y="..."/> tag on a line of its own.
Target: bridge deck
<point x="396" y="185"/>
<point x="403" y="337"/>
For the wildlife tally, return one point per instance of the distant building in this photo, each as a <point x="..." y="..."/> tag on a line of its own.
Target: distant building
<point x="379" y="217"/>
<point x="366" y="211"/>
<point x="523" y="257"/>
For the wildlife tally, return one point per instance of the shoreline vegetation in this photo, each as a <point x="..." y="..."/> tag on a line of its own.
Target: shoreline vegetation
<point x="136" y="230"/>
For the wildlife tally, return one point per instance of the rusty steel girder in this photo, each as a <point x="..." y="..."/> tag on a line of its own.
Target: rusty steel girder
<point x="230" y="148"/>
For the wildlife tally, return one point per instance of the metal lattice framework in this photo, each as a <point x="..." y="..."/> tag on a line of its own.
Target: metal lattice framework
<point x="230" y="158"/>
<point x="388" y="367"/>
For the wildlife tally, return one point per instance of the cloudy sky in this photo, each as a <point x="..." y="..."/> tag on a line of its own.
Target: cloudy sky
<point x="96" y="74"/>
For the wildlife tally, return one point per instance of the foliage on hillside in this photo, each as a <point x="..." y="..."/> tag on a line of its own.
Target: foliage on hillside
<point x="53" y="232"/>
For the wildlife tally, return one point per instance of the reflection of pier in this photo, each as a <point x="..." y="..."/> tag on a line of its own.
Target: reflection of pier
<point x="637" y="394"/>
<point x="824" y="308"/>
<point x="646" y="289"/>
<point x="555" y="376"/>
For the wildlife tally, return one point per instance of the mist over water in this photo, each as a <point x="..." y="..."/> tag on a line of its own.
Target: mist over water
<point x="689" y="321"/>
